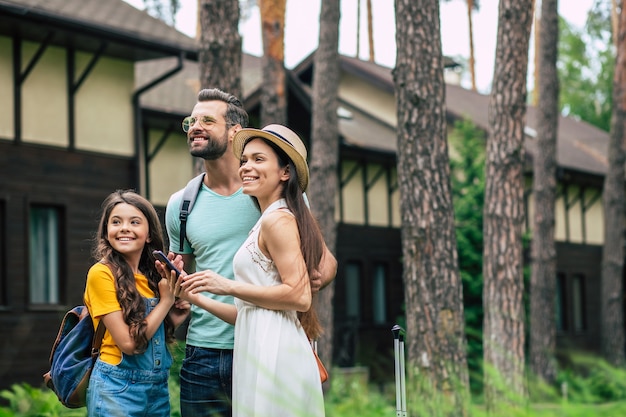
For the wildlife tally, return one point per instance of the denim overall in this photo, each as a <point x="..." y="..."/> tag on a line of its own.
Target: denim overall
<point x="137" y="386"/>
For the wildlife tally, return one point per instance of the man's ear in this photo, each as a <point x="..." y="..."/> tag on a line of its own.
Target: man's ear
<point x="233" y="131"/>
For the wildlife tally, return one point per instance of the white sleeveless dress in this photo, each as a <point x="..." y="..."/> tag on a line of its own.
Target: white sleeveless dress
<point x="274" y="370"/>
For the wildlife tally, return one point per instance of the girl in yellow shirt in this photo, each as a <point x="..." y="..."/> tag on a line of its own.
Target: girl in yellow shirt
<point x="137" y="305"/>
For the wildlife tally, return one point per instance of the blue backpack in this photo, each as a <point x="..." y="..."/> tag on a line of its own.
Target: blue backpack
<point x="73" y="356"/>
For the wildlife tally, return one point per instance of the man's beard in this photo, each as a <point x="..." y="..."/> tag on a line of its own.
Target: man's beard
<point x="213" y="150"/>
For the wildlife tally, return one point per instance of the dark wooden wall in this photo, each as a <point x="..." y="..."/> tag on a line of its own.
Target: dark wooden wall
<point x="76" y="183"/>
<point x="583" y="261"/>
<point x="363" y="342"/>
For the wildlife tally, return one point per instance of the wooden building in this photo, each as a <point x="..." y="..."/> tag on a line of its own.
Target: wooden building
<point x="95" y="92"/>
<point x="70" y="126"/>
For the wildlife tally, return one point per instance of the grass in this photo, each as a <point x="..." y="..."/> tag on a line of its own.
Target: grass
<point x="594" y="389"/>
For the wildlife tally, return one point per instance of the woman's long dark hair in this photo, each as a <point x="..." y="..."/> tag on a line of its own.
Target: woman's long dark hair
<point x="131" y="301"/>
<point x="311" y="239"/>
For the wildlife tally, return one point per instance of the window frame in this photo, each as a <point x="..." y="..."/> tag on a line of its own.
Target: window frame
<point x="61" y="252"/>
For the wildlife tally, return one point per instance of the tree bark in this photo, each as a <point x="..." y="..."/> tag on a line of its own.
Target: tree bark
<point x="325" y="153"/>
<point x="436" y="345"/>
<point x="220" y="45"/>
<point x="504" y="209"/>
<point x="472" y="61"/>
<point x="543" y="252"/>
<point x="274" y="88"/>
<point x="370" y="31"/>
<point x="612" y="292"/>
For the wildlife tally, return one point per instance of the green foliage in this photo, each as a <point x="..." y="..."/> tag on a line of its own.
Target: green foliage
<point x="348" y="397"/>
<point x="586" y="63"/>
<point x="590" y="379"/>
<point x="27" y="401"/>
<point x="177" y="349"/>
<point x="591" y="383"/>
<point x="467" y="176"/>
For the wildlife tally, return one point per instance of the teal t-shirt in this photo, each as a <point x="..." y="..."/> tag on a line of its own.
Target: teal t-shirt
<point x="216" y="228"/>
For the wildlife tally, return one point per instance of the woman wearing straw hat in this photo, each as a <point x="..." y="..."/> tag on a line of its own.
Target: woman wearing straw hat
<point x="274" y="372"/>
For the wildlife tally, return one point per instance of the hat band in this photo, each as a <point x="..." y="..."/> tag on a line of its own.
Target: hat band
<point x="280" y="136"/>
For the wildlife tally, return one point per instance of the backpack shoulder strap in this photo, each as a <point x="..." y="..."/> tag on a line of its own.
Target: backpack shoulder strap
<point x="97" y="338"/>
<point x="189" y="197"/>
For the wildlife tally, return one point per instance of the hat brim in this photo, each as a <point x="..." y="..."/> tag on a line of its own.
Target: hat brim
<point x="244" y="135"/>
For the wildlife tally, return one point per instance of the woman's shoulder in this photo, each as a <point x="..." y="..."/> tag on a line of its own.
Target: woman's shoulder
<point x="278" y="224"/>
<point x="281" y="216"/>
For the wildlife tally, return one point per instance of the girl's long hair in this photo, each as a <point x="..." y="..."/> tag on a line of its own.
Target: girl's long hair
<point x="311" y="239"/>
<point x="131" y="301"/>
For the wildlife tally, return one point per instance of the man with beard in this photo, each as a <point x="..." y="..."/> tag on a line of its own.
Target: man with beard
<point x="219" y="223"/>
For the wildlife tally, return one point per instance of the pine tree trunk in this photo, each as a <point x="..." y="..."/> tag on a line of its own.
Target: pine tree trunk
<point x="325" y="153"/>
<point x="274" y="88"/>
<point x="543" y="272"/>
<point x="370" y="31"/>
<point x="220" y="45"/>
<point x="472" y="60"/>
<point x="436" y="346"/>
<point x="504" y="209"/>
<point x="612" y="293"/>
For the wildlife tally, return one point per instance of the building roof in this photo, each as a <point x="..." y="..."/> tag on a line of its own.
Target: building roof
<point x="178" y="93"/>
<point x="88" y="25"/>
<point x="580" y="146"/>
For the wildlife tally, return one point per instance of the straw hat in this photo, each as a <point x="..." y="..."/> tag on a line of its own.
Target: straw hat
<point x="285" y="139"/>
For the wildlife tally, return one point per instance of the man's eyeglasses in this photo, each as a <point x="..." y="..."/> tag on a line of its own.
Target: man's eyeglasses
<point x="207" y="122"/>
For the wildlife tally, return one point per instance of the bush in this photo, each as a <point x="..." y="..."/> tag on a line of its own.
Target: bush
<point x="590" y="379"/>
<point x="26" y="401"/>
<point x="348" y="397"/>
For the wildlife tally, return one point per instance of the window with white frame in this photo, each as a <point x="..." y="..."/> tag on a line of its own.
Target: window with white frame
<point x="44" y="254"/>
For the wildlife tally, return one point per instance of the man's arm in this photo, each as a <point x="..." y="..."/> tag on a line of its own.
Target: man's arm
<point x="326" y="271"/>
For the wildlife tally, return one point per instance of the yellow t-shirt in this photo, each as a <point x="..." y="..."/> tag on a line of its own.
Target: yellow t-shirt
<point x="101" y="299"/>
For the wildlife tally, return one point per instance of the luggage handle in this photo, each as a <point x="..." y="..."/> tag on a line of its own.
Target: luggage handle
<point x="398" y="348"/>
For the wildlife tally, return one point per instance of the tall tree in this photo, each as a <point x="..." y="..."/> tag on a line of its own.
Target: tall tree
<point x="503" y="288"/>
<point x="358" y="28"/>
<point x="471" y="5"/>
<point x="220" y="45"/>
<point x="433" y="289"/>
<point x="325" y="151"/>
<point x="274" y="87"/>
<point x="370" y="31"/>
<point x="163" y="9"/>
<point x="614" y="21"/>
<point x="471" y="62"/>
<point x="543" y="249"/>
<point x="534" y="96"/>
<point x="612" y="293"/>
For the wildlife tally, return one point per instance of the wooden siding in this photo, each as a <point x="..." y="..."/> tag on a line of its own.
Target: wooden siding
<point x="583" y="261"/>
<point x="363" y="342"/>
<point x="76" y="183"/>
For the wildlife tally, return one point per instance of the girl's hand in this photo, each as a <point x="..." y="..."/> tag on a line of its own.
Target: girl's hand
<point x="176" y="260"/>
<point x="165" y="290"/>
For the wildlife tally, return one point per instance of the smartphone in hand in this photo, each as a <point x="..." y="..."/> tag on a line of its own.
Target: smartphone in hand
<point x="168" y="264"/>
